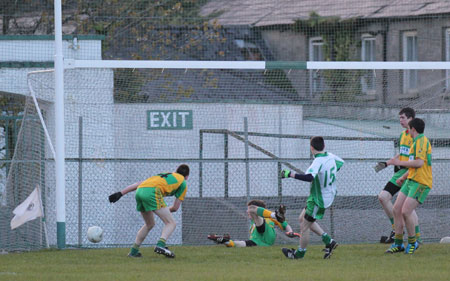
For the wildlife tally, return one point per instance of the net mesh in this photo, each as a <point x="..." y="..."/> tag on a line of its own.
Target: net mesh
<point x="113" y="144"/>
<point x="123" y="125"/>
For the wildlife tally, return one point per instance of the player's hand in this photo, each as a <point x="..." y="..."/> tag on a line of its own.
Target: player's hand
<point x="400" y="181"/>
<point x="113" y="198"/>
<point x="380" y="166"/>
<point x="292" y="234"/>
<point x="285" y="173"/>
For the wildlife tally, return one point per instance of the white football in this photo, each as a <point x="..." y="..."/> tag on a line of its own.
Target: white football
<point x="445" y="240"/>
<point x="95" y="234"/>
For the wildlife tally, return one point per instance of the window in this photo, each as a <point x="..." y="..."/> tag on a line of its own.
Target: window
<point x="368" y="54"/>
<point x="447" y="57"/>
<point x="409" y="54"/>
<point x="317" y="83"/>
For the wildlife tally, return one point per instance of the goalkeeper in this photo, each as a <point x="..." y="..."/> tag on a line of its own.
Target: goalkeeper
<point x="262" y="231"/>
<point x="385" y="196"/>
<point x="149" y="196"/>
<point x="322" y="175"/>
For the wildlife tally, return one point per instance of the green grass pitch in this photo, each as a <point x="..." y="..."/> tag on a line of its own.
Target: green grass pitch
<point x="349" y="262"/>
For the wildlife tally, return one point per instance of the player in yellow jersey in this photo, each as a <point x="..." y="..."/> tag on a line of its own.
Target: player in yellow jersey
<point x="262" y="230"/>
<point x="385" y="196"/>
<point x="150" y="199"/>
<point x="414" y="190"/>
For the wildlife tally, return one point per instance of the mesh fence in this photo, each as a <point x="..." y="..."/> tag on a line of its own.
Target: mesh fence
<point x="113" y="144"/>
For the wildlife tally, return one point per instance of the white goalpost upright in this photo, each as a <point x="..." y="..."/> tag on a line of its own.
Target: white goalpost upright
<point x="59" y="124"/>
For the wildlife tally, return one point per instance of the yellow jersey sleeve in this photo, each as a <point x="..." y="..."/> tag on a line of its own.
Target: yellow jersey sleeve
<point x="421" y="149"/>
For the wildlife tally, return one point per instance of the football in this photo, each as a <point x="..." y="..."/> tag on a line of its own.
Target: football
<point x="445" y="240"/>
<point x="95" y="234"/>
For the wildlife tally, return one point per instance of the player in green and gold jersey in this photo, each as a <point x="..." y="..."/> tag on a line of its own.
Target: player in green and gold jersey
<point x="262" y="230"/>
<point x="385" y="196"/>
<point x="149" y="196"/>
<point x="414" y="190"/>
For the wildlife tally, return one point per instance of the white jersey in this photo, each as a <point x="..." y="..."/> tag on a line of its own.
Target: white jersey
<point x="324" y="169"/>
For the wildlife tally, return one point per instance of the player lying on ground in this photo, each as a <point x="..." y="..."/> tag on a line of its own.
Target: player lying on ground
<point x="414" y="190"/>
<point x="150" y="199"/>
<point x="262" y="231"/>
<point x="322" y="175"/>
<point x="385" y="196"/>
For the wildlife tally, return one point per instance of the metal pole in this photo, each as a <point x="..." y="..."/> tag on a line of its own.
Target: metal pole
<point x="80" y="179"/>
<point x="225" y="154"/>
<point x="280" y="132"/>
<point x="247" y="164"/>
<point x="200" y="166"/>
<point x="59" y="124"/>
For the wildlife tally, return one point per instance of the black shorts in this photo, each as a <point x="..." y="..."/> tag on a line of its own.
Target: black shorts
<point x="250" y="243"/>
<point x="262" y="227"/>
<point x="392" y="188"/>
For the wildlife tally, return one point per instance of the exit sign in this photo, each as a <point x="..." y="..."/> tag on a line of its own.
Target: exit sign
<point x="169" y="120"/>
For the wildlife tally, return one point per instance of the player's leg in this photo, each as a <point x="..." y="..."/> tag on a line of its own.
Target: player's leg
<point x="417" y="227"/>
<point x="299" y="253"/>
<point x="142" y="233"/>
<point x="407" y="211"/>
<point x="238" y="243"/>
<point x="416" y="195"/>
<point x="397" y="246"/>
<point x="255" y="211"/>
<point x="385" y="198"/>
<point x="313" y="213"/>
<point x="169" y="226"/>
<point x="257" y="214"/>
<point x="144" y="204"/>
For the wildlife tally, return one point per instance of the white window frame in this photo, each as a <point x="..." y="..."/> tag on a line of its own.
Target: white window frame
<point x="316" y="83"/>
<point x="370" y="74"/>
<point x="410" y="76"/>
<point x="447" y="57"/>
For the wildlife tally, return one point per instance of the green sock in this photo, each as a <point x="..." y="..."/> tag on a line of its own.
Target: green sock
<point x="326" y="238"/>
<point x="134" y="249"/>
<point x="161" y="243"/>
<point x="392" y="222"/>
<point x="398" y="239"/>
<point x="300" y="253"/>
<point x="411" y="239"/>
<point x="418" y="233"/>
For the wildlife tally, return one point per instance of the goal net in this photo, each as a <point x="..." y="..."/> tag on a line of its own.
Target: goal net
<point x="233" y="92"/>
<point x="236" y="129"/>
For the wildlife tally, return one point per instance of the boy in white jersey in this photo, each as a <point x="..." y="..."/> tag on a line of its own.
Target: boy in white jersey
<point x="322" y="175"/>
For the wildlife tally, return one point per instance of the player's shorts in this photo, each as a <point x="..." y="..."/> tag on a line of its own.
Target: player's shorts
<point x="267" y="238"/>
<point x="415" y="190"/>
<point x="396" y="176"/>
<point x="149" y="199"/>
<point x="313" y="210"/>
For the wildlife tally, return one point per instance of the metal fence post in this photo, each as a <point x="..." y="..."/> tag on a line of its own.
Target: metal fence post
<point x="225" y="154"/>
<point x="80" y="179"/>
<point x="247" y="164"/>
<point x="200" y="166"/>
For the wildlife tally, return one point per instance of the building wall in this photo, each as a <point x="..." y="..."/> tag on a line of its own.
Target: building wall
<point x="431" y="44"/>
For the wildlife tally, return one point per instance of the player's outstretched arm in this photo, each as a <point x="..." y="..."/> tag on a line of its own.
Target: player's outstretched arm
<point x="416" y="163"/>
<point x="113" y="198"/>
<point x="289" y="174"/>
<point x="380" y="166"/>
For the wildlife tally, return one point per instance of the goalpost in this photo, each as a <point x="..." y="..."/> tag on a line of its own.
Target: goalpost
<point x="116" y="137"/>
